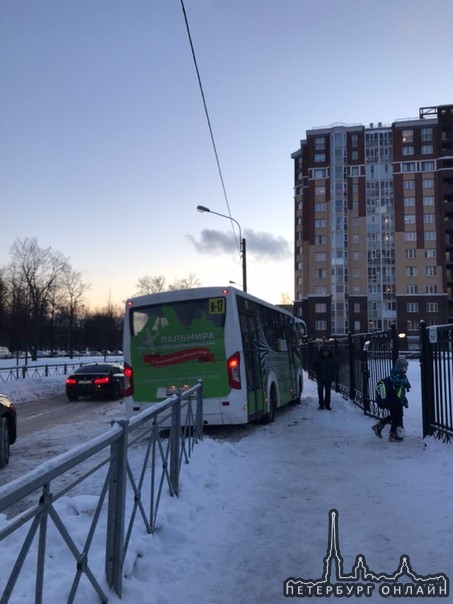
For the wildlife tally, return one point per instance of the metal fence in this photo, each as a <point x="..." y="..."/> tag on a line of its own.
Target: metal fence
<point x="22" y="372"/>
<point x="436" y="362"/>
<point x="128" y="497"/>
<point x="363" y="358"/>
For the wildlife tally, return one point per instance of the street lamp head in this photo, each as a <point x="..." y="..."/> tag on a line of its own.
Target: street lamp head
<point x="203" y="209"/>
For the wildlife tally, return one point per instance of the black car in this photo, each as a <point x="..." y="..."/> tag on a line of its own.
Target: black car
<point x="96" y="380"/>
<point x="8" y="428"/>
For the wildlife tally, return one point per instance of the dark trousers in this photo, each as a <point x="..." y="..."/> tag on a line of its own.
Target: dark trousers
<point x="324" y="389"/>
<point x="395" y="418"/>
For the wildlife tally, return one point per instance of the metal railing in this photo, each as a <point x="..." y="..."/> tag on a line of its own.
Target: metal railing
<point x="22" y="372"/>
<point x="436" y="362"/>
<point x="363" y="359"/>
<point x="128" y="497"/>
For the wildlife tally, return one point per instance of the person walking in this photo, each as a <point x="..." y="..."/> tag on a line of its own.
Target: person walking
<point x="394" y="399"/>
<point x="326" y="370"/>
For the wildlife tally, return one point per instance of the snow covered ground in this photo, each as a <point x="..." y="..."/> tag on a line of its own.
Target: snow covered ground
<point x="255" y="510"/>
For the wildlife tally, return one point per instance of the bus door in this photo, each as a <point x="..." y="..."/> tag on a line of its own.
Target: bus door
<point x="254" y="378"/>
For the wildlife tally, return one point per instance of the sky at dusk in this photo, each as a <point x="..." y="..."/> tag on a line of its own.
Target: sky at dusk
<point x="105" y="150"/>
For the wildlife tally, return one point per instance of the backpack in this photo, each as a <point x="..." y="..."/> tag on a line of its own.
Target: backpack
<point x="383" y="389"/>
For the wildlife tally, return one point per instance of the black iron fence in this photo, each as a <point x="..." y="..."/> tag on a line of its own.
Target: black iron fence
<point x="436" y="362"/>
<point x="364" y="359"/>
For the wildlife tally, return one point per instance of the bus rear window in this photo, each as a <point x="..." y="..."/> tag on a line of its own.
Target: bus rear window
<point x="178" y="315"/>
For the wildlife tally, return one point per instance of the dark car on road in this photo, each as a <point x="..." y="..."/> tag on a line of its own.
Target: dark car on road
<point x="8" y="428"/>
<point x="96" y="380"/>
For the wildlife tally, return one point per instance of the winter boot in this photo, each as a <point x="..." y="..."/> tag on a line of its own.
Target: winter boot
<point x="394" y="438"/>
<point x="377" y="429"/>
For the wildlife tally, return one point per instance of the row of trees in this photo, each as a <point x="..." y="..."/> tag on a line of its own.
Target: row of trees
<point x="42" y="305"/>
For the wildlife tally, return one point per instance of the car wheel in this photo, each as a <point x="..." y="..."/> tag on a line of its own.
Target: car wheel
<point x="4" y="442"/>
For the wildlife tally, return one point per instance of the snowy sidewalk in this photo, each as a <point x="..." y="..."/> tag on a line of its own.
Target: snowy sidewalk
<point x="255" y="512"/>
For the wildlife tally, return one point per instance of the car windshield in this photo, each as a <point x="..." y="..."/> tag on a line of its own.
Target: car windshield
<point x="94" y="369"/>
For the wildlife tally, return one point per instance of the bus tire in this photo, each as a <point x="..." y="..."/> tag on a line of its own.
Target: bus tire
<point x="269" y="417"/>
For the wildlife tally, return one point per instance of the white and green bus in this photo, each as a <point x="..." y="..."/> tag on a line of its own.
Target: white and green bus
<point x="245" y="350"/>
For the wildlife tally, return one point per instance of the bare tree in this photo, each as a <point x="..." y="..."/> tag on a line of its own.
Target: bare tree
<point x="150" y="284"/>
<point x="39" y="271"/>
<point x="74" y="289"/>
<point x="186" y="283"/>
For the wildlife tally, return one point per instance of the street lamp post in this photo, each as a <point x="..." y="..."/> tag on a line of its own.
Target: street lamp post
<point x="243" y="248"/>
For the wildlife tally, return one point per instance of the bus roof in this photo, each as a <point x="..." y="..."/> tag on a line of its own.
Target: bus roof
<point x="196" y="293"/>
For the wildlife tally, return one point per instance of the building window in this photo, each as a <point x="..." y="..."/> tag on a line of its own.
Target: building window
<point x="427" y="150"/>
<point x="432" y="307"/>
<point x="321" y="325"/>
<point x="411" y="253"/>
<point x="320" y="273"/>
<point x="409" y="184"/>
<point x="320" y="157"/>
<point x="430" y="271"/>
<point x="408" y="166"/>
<point x="355" y="255"/>
<point x="355" y="155"/>
<point x="412" y="307"/>
<point x="411" y="289"/>
<point x="355" y="140"/>
<point x="320" y="223"/>
<point x="428" y="200"/>
<point x="320" y="143"/>
<point x="430" y="235"/>
<point x="409" y="202"/>
<point x="411" y="271"/>
<point x="426" y="134"/>
<point x="409" y="219"/>
<point x="428" y="183"/>
<point x="355" y="239"/>
<point x="321" y="307"/>
<point x="320" y="291"/>
<point x="431" y="288"/>
<point x="412" y="326"/>
<point x="320" y="239"/>
<point x="407" y="136"/>
<point x="429" y="218"/>
<point x="320" y="190"/>
<point x="320" y="207"/>
<point x="319" y="173"/>
<point x="410" y="236"/>
<point x="355" y="171"/>
<point x="320" y="256"/>
<point x="431" y="253"/>
<point x="409" y="150"/>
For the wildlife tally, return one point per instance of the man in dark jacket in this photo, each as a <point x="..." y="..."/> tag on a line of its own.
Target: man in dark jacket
<point x="326" y="370"/>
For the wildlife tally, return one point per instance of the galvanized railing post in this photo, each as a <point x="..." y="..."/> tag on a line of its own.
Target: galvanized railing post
<point x="199" y="412"/>
<point x="175" y="443"/>
<point x="116" y="510"/>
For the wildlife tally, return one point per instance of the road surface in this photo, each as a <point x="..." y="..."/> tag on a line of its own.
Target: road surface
<point x="49" y="427"/>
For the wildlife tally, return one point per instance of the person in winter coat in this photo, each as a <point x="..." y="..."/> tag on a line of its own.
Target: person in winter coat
<point x="326" y="370"/>
<point x="395" y="400"/>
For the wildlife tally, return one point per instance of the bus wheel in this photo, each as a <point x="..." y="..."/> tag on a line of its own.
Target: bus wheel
<point x="270" y="415"/>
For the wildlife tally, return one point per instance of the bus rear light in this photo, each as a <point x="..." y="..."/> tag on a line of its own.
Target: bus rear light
<point x="128" y="380"/>
<point x="234" y="374"/>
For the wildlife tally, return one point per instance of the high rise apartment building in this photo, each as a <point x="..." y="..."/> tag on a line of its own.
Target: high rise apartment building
<point x="374" y="225"/>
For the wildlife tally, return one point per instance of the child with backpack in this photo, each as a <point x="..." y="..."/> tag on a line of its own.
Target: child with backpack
<point x="391" y="395"/>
